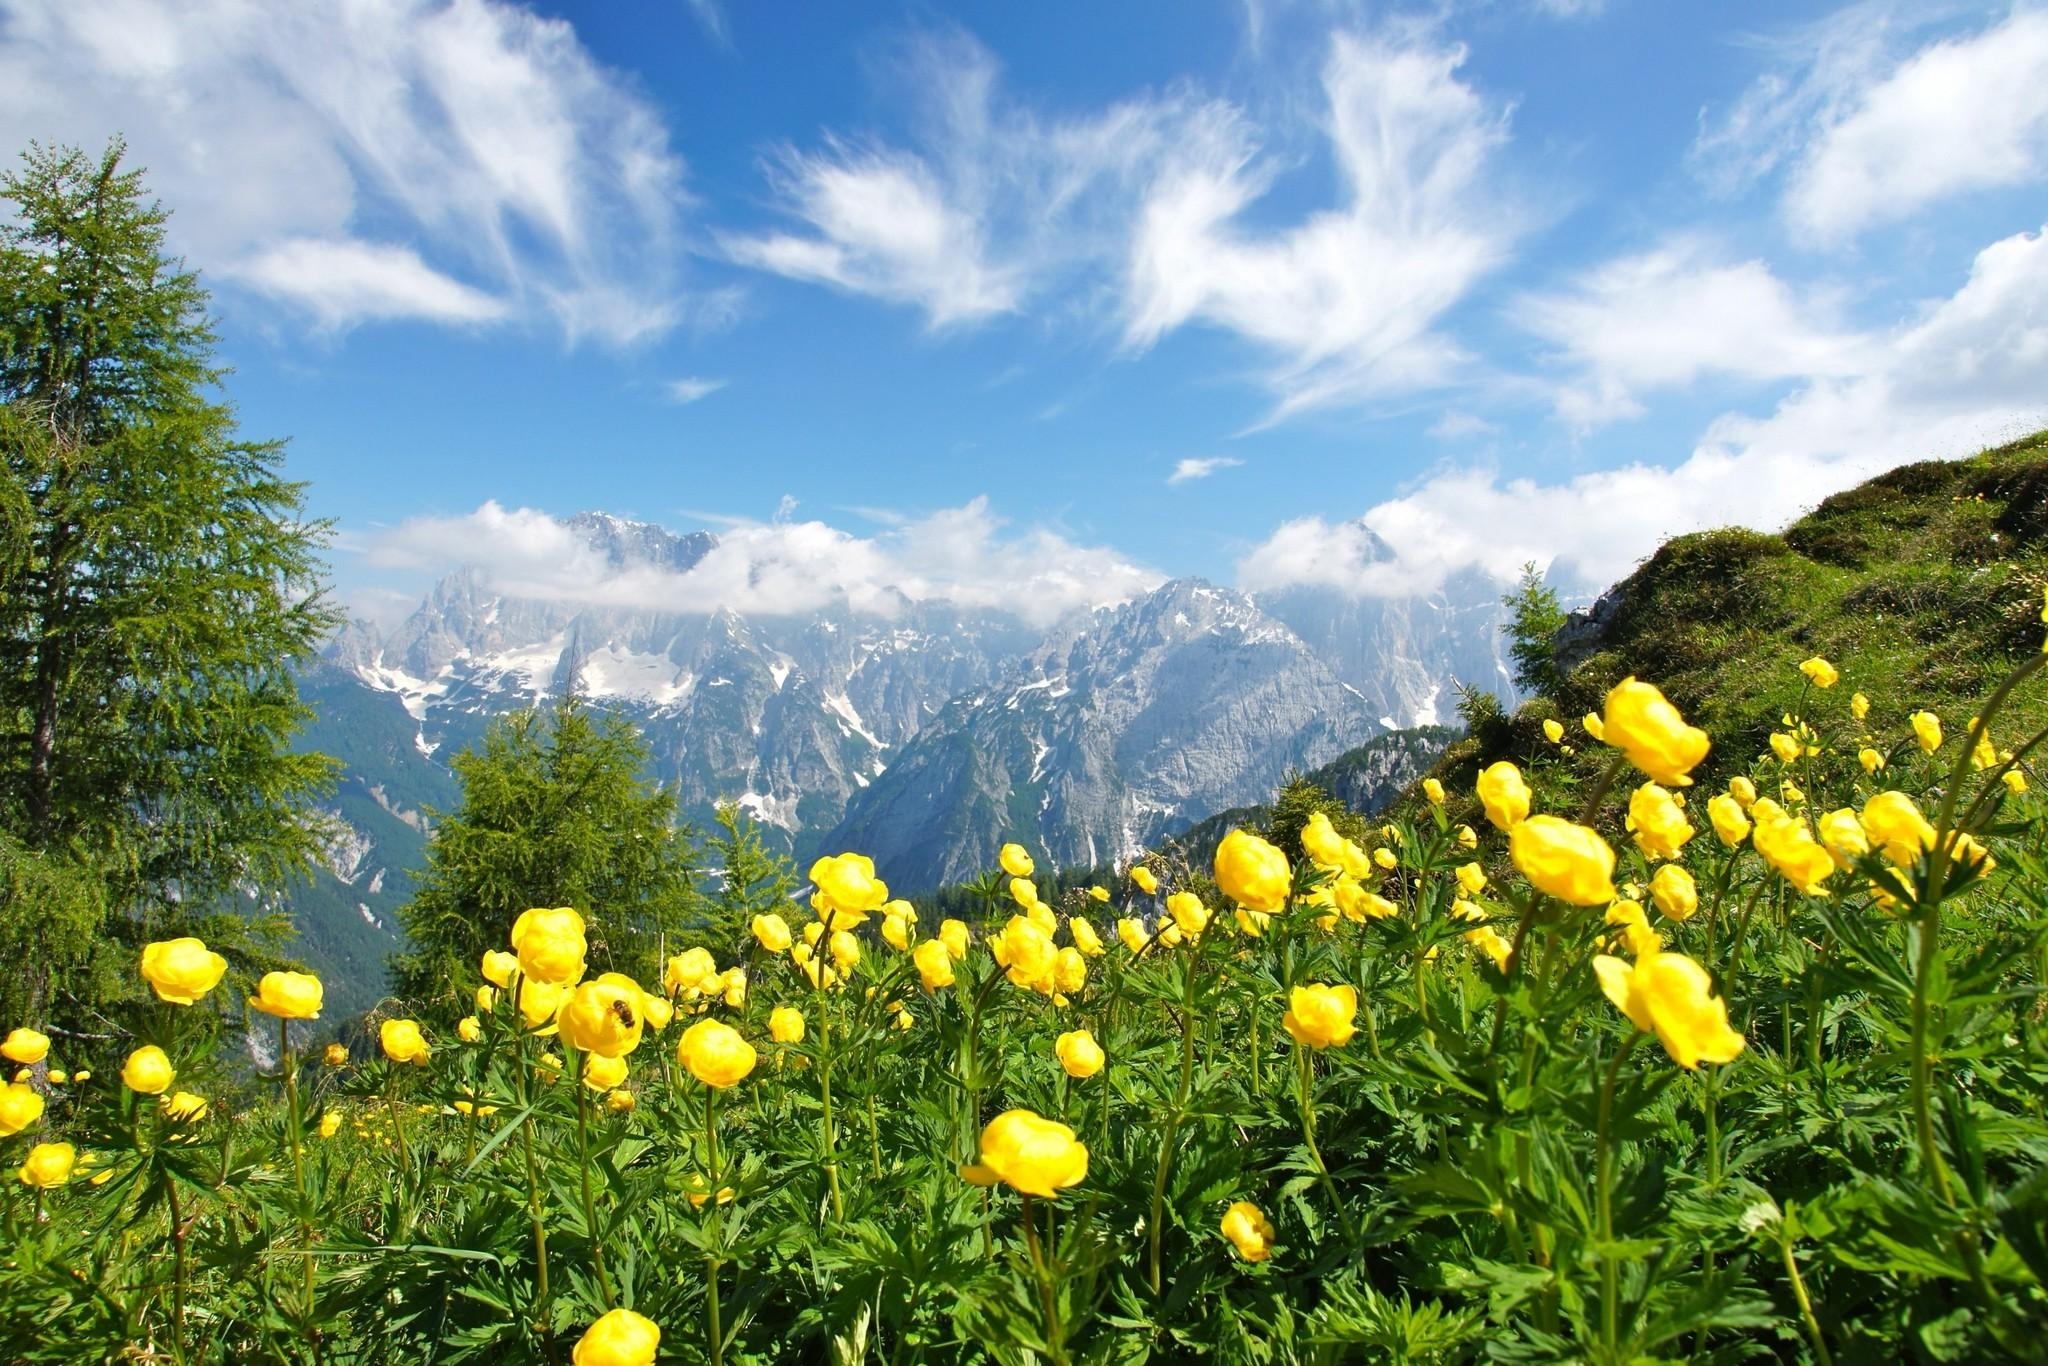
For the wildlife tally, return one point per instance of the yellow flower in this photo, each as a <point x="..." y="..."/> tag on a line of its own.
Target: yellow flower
<point x="691" y="973"/>
<point x="1897" y="828"/>
<point x="604" y="1016"/>
<point x="1132" y="934"/>
<point x="1787" y="846"/>
<point x="786" y="1024"/>
<point x="1084" y="936"/>
<point x="1321" y="1016"/>
<point x="1859" y="706"/>
<point x="1142" y="876"/>
<point x="1468" y="838"/>
<point x="601" y="1073"/>
<point x="1821" y="672"/>
<point x="1844" y="837"/>
<point x="1078" y="1053"/>
<point x="1024" y="892"/>
<point x="330" y="1123"/>
<point x="1069" y="970"/>
<point x="289" y="995"/>
<point x="1553" y="731"/>
<point x="1471" y="879"/>
<point x="183" y="1107"/>
<point x="550" y="944"/>
<point x="49" y="1165"/>
<point x="1983" y="754"/>
<point x="1671" y="996"/>
<point x="953" y="934"/>
<point x="1595" y="727"/>
<point x="1635" y="928"/>
<point x="1504" y="795"/>
<point x="20" y="1106"/>
<point x="844" y="948"/>
<point x="1251" y="872"/>
<point x="1743" y="791"/>
<point x="1188" y="913"/>
<point x="1040" y="914"/>
<point x="714" y="1053"/>
<point x="469" y="1029"/>
<point x="1434" y="791"/>
<point x="25" y="1046"/>
<point x="1249" y="1231"/>
<point x="699" y="1195"/>
<point x="2014" y="780"/>
<point x="1731" y="826"/>
<point x="771" y="931"/>
<point x="498" y="967"/>
<point x="735" y="986"/>
<point x="336" y="1055"/>
<point x="934" y="964"/>
<point x="1321" y="842"/>
<point x="181" y="970"/>
<point x="1358" y="904"/>
<point x="1098" y="894"/>
<point x="847" y="890"/>
<point x="620" y="1102"/>
<point x="896" y="932"/>
<point x="403" y="1041"/>
<point x="1675" y="893"/>
<point x="538" y="1002"/>
<point x="1030" y="1154"/>
<point x="620" y="1338"/>
<point x="1658" y="822"/>
<point x="1386" y="859"/>
<point x="1927" y="730"/>
<point x="1650" y="731"/>
<point x="1490" y="942"/>
<point x="148" y="1071"/>
<point x="1567" y="861"/>
<point x="1016" y="861"/>
<point x="1784" y="746"/>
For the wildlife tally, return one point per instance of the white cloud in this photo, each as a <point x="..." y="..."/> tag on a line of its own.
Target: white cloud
<point x="1965" y="373"/>
<point x="965" y="555"/>
<point x="1872" y="119"/>
<point x="475" y="136"/>
<point x="1457" y="425"/>
<point x="1200" y="467"/>
<point x="1666" y="317"/>
<point x="1960" y="115"/>
<point x="690" y="388"/>
<point x="966" y="222"/>
<point x="1349" y="300"/>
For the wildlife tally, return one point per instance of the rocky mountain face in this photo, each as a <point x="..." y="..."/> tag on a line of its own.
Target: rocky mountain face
<point x="924" y="737"/>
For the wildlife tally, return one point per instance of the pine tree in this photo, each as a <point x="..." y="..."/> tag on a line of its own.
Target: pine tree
<point x="157" y="581"/>
<point x="1535" y="616"/>
<point x="556" y="811"/>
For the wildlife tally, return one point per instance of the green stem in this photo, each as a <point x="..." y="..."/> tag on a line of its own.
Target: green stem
<point x="825" y="1097"/>
<point x="295" y="1139"/>
<point x="1303" y="1069"/>
<point x="604" y="1280"/>
<point x="711" y="1253"/>
<point x="178" y="1268"/>
<point x="1053" y="1338"/>
<point x="533" y="1203"/>
<point x="1173" y="1118"/>
<point x="1820" y="1346"/>
<point x="1610" y="1268"/>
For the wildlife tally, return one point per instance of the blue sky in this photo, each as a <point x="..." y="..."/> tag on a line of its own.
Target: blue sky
<point x="1035" y="304"/>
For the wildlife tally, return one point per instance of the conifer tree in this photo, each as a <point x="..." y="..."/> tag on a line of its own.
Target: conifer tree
<point x="157" y="581"/>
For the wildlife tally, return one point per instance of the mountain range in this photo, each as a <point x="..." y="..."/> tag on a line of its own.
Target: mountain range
<point x="925" y="737"/>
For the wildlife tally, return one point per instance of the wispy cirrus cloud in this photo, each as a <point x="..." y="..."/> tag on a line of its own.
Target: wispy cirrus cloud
<point x="452" y="161"/>
<point x="1200" y="467"/>
<point x="690" y="388"/>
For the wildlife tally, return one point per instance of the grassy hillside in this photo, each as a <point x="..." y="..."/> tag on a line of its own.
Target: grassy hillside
<point x="1923" y="586"/>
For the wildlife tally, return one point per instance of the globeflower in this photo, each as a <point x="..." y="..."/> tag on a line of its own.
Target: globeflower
<point x="1471" y="879"/>
<point x="1249" y="1231"/>
<point x="1504" y="795"/>
<point x="1132" y="934"/>
<point x="1786" y="845"/>
<point x="1321" y="842"/>
<point x="181" y="970"/>
<point x="1085" y="938"/>
<point x="148" y="1071"/>
<point x="1671" y="996"/>
<point x="601" y="1073"/>
<point x="1731" y="825"/>
<point x="469" y="1029"/>
<point x="1142" y="876"/>
<point x="1553" y="730"/>
<point x="1859" y="706"/>
<point x="498" y="966"/>
<point x="1658" y="822"/>
<point x="1016" y="861"/>
<point x="1897" y="828"/>
<point x="1641" y="723"/>
<point x="771" y="932"/>
<point x="786" y="1024"/>
<point x="20" y="1106"/>
<point x="538" y="1002"/>
<point x="620" y="1338"/>
<point x="714" y="1053"/>
<point x="183" y="1107"/>
<point x="25" y="1046"/>
<point x="49" y="1165"/>
<point x="604" y="1016"/>
<point x="1844" y="837"/>
<point x="691" y="973"/>
<point x="1189" y="914"/>
<point x="1784" y="746"/>
<point x="550" y="945"/>
<point x="1821" y="672"/>
<point x="1320" y="1016"/>
<point x="1434" y="791"/>
<point x="403" y="1041"/>
<point x="1676" y="894"/>
<point x="934" y="964"/>
<point x="1871" y="760"/>
<point x="1024" y="892"/>
<point x="1030" y="1154"/>
<point x="847" y="890"/>
<point x="289" y="995"/>
<point x="1078" y="1053"/>
<point x="1927" y="730"/>
<point x="1251" y="872"/>
<point x="896" y="933"/>
<point x="1743" y="791"/>
<point x="1560" y="859"/>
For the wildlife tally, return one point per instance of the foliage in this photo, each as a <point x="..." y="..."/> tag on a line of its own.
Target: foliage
<point x="1534" y="618"/>
<point x="159" y="582"/>
<point x="556" y="811"/>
